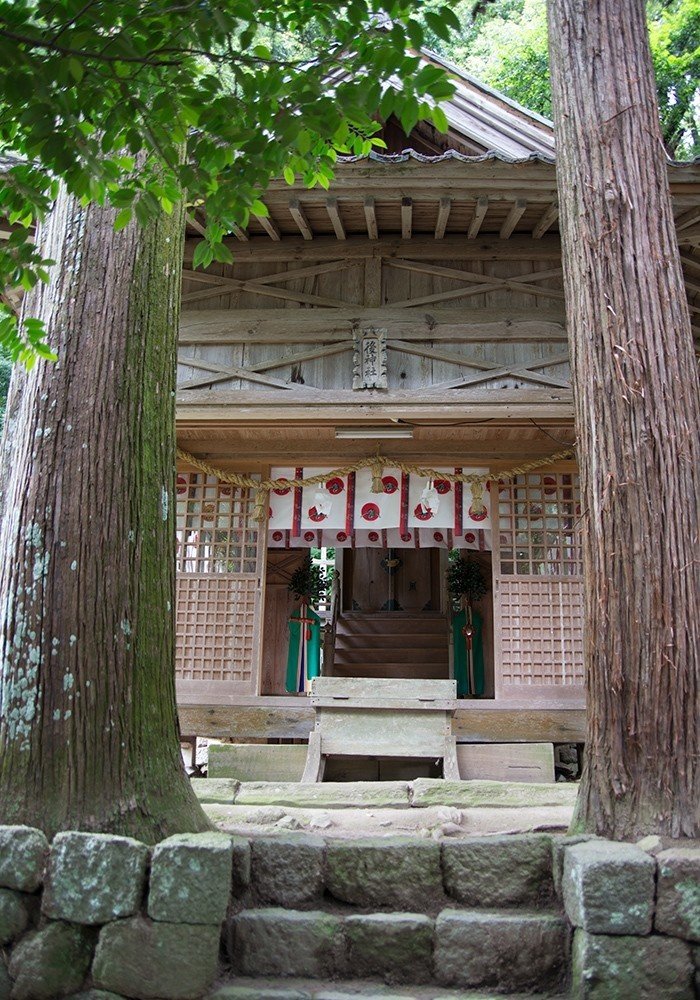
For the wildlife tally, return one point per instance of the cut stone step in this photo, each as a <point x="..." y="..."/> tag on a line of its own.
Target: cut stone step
<point x="502" y="950"/>
<point x="516" y="950"/>
<point x="246" y="988"/>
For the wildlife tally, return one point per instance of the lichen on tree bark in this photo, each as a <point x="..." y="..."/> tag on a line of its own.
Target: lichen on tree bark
<point x="88" y="723"/>
<point x="637" y="409"/>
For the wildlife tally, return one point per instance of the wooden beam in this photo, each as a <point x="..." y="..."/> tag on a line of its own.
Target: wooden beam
<point x="299" y="326"/>
<point x="460" y="275"/>
<point x="443" y="217"/>
<point x="371" y="219"/>
<point x="480" y="210"/>
<point x="546" y="220"/>
<point x="373" y="283"/>
<point x="299" y="216"/>
<point x="225" y="372"/>
<point x="195" y="223"/>
<point x="269" y="226"/>
<point x="263" y="285"/>
<point x="406" y="218"/>
<point x="516" y="212"/>
<point x="421" y="247"/>
<point x="687" y="219"/>
<point x="296" y="357"/>
<point x="343" y="405"/>
<point x="286" y="718"/>
<point x="334" y="215"/>
<point x="239" y="233"/>
<point x="505" y="371"/>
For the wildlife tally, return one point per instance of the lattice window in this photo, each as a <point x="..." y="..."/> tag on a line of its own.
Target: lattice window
<point x="215" y="529"/>
<point x="538" y="523"/>
<point x="218" y="570"/>
<point x="215" y="627"/>
<point x="541" y="631"/>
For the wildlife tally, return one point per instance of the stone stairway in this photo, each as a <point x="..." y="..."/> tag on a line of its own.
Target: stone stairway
<point x="395" y="917"/>
<point x="391" y="644"/>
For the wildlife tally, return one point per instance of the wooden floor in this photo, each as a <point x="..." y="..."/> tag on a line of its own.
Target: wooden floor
<point x="292" y="717"/>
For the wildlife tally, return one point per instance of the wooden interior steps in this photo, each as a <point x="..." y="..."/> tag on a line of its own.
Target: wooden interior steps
<point x="391" y="644"/>
<point x="396" y="916"/>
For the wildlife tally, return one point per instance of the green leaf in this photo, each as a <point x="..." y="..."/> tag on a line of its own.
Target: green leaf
<point x="76" y="69"/>
<point x="203" y="255"/>
<point x="440" y="119"/>
<point x="289" y="175"/>
<point x="123" y="219"/>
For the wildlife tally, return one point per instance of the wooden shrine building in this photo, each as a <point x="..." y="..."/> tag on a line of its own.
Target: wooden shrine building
<point x="417" y="308"/>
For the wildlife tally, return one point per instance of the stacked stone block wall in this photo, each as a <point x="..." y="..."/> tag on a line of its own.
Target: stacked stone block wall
<point x="97" y="916"/>
<point x="636" y="920"/>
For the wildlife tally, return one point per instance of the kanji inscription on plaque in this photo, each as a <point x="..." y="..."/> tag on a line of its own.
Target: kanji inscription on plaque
<point x="369" y="360"/>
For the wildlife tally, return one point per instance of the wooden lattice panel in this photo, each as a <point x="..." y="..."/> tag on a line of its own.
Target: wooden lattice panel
<point x="215" y="625"/>
<point x="538" y="518"/>
<point x="219" y="565"/>
<point x="541" y="631"/>
<point x="215" y="529"/>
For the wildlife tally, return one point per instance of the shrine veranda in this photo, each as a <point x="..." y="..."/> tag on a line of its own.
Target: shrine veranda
<point x="413" y="313"/>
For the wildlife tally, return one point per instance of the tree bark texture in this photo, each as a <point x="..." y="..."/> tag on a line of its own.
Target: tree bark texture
<point x="638" y="412"/>
<point x="88" y="724"/>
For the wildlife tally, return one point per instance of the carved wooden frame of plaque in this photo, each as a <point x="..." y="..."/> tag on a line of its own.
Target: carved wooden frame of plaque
<point x="369" y="358"/>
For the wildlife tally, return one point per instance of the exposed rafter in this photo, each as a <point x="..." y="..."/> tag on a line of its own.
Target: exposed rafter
<point x="406" y="218"/>
<point x="480" y="210"/>
<point x="299" y="216"/>
<point x="546" y="220"/>
<point x="517" y="210"/>
<point x="269" y="226"/>
<point x="443" y="217"/>
<point x="334" y="216"/>
<point x="371" y="219"/>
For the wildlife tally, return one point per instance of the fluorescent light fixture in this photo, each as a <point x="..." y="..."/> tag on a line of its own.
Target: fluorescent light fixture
<point x="374" y="432"/>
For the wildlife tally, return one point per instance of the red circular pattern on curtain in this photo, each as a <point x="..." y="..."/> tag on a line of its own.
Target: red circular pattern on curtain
<point x="373" y="536"/>
<point x="309" y="536"/>
<point x="181" y="485"/>
<point x="282" y="491"/>
<point x="391" y="484"/>
<point x="335" y="485"/>
<point x="277" y="536"/>
<point x="370" y="512"/>
<point x="225" y="490"/>
<point x="438" y="536"/>
<point x="470" y="536"/>
<point x="481" y="516"/>
<point x="316" y="515"/>
<point x="550" y="485"/>
<point x="341" y="536"/>
<point x="442" y="486"/>
<point x="406" y="536"/>
<point x="422" y="514"/>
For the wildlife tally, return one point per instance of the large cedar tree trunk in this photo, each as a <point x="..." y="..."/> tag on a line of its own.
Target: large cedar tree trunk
<point x="638" y="414"/>
<point x="88" y="726"/>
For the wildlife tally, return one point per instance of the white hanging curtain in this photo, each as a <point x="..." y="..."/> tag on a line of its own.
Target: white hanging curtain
<point x="412" y="512"/>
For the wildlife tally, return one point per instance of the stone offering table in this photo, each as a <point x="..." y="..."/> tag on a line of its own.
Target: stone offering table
<point x="373" y="717"/>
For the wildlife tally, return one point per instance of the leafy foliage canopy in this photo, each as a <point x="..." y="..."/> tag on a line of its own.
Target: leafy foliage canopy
<point x="133" y="104"/>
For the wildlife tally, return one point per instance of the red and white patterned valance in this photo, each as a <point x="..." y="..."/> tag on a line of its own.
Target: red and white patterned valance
<point x="413" y="512"/>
